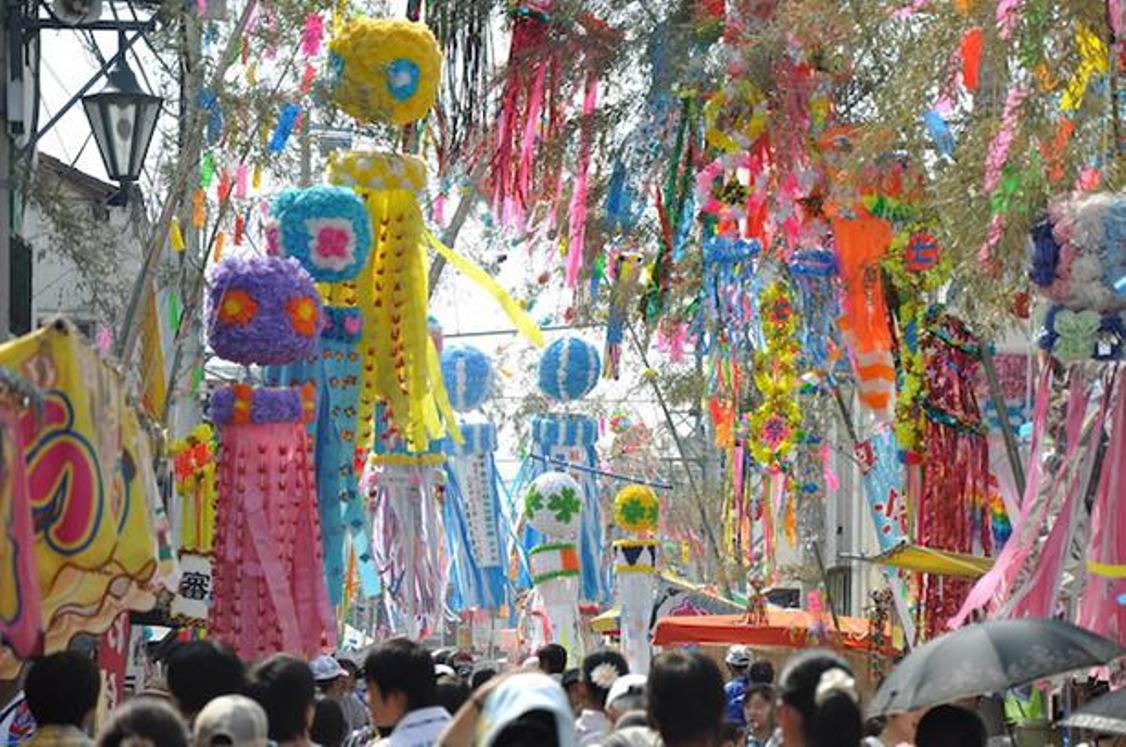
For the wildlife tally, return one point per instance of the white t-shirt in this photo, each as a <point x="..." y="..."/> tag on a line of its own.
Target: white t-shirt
<point x="591" y="726"/>
<point x="419" y="728"/>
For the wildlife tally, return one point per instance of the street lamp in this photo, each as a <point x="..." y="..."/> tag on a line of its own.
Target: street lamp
<point x="123" y="119"/>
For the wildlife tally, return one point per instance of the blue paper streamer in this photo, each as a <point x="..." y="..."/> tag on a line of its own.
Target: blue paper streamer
<point x="287" y="120"/>
<point x="939" y="132"/>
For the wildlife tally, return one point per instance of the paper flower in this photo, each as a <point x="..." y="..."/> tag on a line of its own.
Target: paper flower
<point x="604" y="675"/>
<point x="385" y="70"/>
<point x="263" y="310"/>
<point x="326" y="229"/>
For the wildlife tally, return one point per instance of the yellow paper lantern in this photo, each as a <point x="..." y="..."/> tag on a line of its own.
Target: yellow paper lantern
<point x="637" y="509"/>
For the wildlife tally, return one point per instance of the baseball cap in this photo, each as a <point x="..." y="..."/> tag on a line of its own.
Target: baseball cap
<point x="738" y="656"/>
<point x="231" y="719"/>
<point x="519" y="694"/>
<point x="326" y="668"/>
<point x="624" y="685"/>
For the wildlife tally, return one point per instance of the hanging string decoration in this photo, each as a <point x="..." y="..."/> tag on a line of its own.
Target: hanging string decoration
<point x="728" y="289"/>
<point x="636" y="511"/>
<point x="471" y="508"/>
<point x="194" y="467"/>
<point x="328" y="230"/>
<point x="776" y="421"/>
<point x="627" y="282"/>
<point x="553" y="506"/>
<point x="269" y="586"/>
<point x="384" y="70"/>
<point x="814" y="272"/>
<point x="957" y="467"/>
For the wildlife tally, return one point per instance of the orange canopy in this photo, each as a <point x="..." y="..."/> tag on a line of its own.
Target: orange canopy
<point x="787" y="628"/>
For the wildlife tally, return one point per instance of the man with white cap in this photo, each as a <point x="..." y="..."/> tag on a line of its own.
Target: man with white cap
<point x="334" y="682"/>
<point x="627" y="695"/>
<point x="738" y="662"/>
<point x="231" y="720"/>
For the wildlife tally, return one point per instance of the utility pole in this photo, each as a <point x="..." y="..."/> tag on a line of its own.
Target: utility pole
<point x="6" y="295"/>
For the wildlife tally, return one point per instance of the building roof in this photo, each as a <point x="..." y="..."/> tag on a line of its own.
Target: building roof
<point x="89" y="185"/>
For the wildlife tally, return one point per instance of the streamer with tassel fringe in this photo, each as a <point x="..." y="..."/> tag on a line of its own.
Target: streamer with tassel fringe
<point x="627" y="276"/>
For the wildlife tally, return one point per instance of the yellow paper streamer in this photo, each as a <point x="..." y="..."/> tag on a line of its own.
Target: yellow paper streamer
<point x="516" y="314"/>
<point x="176" y="236"/>
<point x="1093" y="58"/>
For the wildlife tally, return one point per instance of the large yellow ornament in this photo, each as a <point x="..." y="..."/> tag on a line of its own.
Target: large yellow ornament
<point x="636" y="509"/>
<point x="384" y="70"/>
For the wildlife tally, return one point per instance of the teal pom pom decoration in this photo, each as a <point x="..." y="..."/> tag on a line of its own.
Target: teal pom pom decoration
<point x="468" y="374"/>
<point x="326" y="229"/>
<point x="569" y="369"/>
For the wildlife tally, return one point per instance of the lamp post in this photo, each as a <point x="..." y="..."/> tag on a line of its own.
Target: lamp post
<point x="123" y="119"/>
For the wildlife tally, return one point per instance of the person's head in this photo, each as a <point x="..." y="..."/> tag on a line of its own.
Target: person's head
<point x="62" y="689"/>
<point x="731" y="735"/>
<point x="626" y="694"/>
<point x="331" y="678"/>
<point x="145" y="720"/>
<point x="758" y="709"/>
<point x="738" y="660"/>
<point x="901" y="727"/>
<point x="572" y="686"/>
<point x="599" y="672"/>
<point x="353" y="673"/>
<point x="552" y="658"/>
<point x="283" y="685"/>
<point x="948" y="724"/>
<point x="480" y="677"/>
<point x="526" y="710"/>
<point x="819" y="704"/>
<point x="231" y="720"/>
<point x="400" y="679"/>
<point x="686" y="700"/>
<point x="200" y="671"/>
<point x="329" y="726"/>
<point x="761" y="671"/>
<point x="451" y="693"/>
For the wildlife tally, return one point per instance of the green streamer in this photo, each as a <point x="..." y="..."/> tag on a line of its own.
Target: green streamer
<point x="207" y="170"/>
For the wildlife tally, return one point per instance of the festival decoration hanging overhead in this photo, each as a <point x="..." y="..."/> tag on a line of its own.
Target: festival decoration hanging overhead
<point x="471" y="506"/>
<point x="194" y="467"/>
<point x="269" y="586"/>
<point x="553" y="506"/>
<point x="636" y="512"/>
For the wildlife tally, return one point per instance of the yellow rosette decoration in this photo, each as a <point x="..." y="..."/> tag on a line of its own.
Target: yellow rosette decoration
<point x="636" y="510"/>
<point x="776" y="421"/>
<point x="385" y="70"/>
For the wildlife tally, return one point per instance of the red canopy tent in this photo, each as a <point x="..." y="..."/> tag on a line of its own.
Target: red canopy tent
<point x="783" y="628"/>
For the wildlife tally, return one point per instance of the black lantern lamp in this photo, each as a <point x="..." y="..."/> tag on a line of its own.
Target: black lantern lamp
<point x="123" y="119"/>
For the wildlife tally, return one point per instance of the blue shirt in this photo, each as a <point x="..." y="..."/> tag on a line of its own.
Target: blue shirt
<point x="735" y="692"/>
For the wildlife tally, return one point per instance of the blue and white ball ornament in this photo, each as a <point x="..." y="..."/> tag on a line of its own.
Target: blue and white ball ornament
<point x="327" y="229"/>
<point x="569" y="369"/>
<point x="468" y="374"/>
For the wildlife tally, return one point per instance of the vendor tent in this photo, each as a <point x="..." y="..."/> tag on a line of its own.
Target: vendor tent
<point x="784" y="628"/>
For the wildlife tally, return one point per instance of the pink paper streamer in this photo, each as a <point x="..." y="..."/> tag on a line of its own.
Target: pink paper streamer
<point x="1003" y="141"/>
<point x="910" y="9"/>
<point x="312" y="35"/>
<point x="241" y="181"/>
<point x="1007" y="15"/>
<point x="577" y="211"/>
<point x="1099" y="609"/>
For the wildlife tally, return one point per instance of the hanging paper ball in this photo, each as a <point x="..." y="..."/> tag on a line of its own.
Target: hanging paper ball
<point x="383" y="70"/>
<point x="552" y="504"/>
<point x="636" y="509"/>
<point x="326" y="229"/>
<point x="263" y="310"/>
<point x="569" y="369"/>
<point x="468" y="375"/>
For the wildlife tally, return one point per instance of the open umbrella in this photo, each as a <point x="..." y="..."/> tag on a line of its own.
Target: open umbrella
<point x="989" y="657"/>
<point x="1106" y="714"/>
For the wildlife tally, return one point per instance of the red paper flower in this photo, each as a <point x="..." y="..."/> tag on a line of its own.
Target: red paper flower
<point x="302" y="312"/>
<point x="237" y="307"/>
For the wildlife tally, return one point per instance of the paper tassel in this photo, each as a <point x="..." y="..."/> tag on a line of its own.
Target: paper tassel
<point x="971" y="57"/>
<point x="308" y="77"/>
<point x="224" y="189"/>
<point x="240" y="182"/>
<point x="207" y="170"/>
<point x="174" y="310"/>
<point x="1007" y="16"/>
<point x="312" y="35"/>
<point x="220" y="243"/>
<point x="256" y="180"/>
<point x="1093" y="58"/>
<point x="287" y="120"/>
<point x="201" y="7"/>
<point x="240" y="228"/>
<point x="176" y="236"/>
<point x="199" y="209"/>
<point x="1002" y="142"/>
<point x="939" y="132"/>
<point x="576" y="243"/>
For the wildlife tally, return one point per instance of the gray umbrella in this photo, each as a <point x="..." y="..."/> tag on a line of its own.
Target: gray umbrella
<point x="1106" y="714"/>
<point x="989" y="657"/>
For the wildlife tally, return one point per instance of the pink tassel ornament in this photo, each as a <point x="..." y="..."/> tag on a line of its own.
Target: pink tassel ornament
<point x="312" y="35"/>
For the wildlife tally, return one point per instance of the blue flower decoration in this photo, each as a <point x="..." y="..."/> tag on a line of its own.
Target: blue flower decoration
<point x="326" y="229"/>
<point x="569" y="369"/>
<point x="402" y="78"/>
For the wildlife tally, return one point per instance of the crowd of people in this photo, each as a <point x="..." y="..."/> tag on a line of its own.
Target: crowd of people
<point x="403" y="695"/>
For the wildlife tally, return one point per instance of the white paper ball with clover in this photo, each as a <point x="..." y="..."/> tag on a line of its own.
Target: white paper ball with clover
<point x="552" y="504"/>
